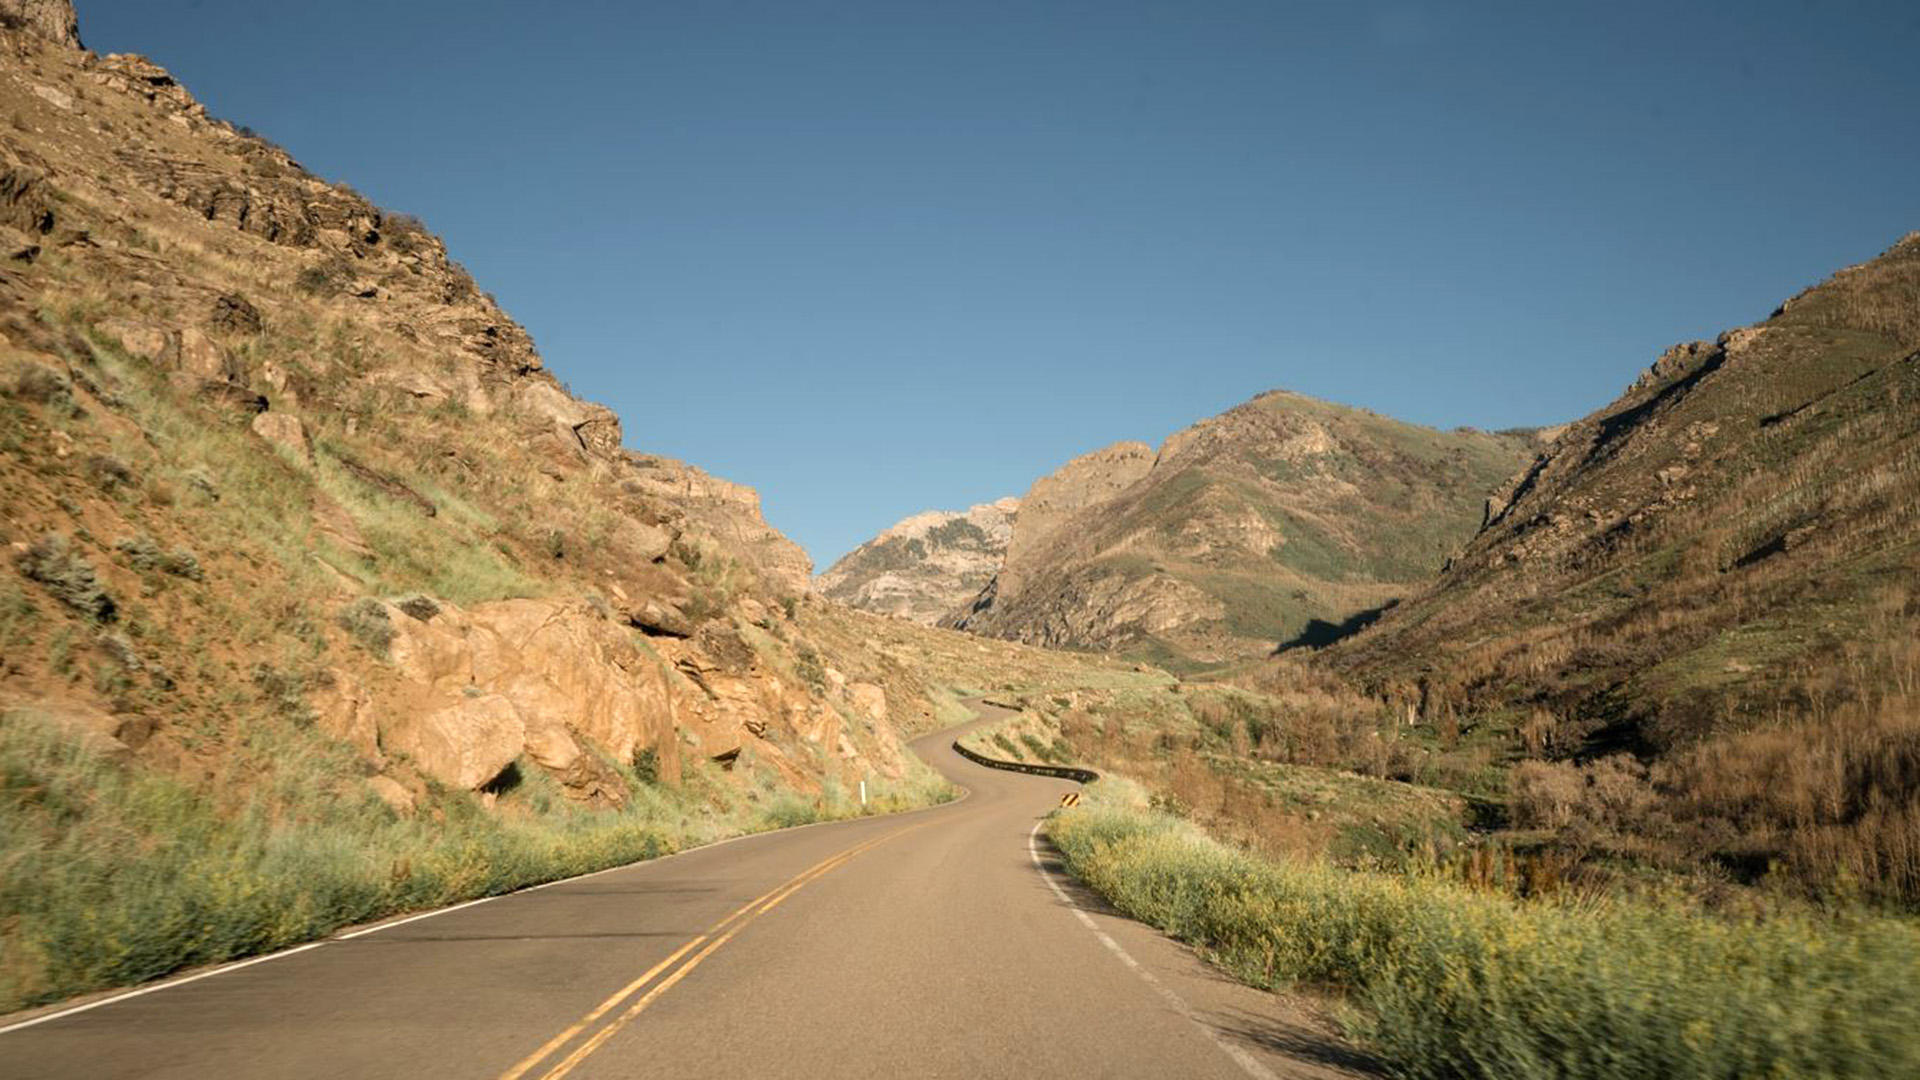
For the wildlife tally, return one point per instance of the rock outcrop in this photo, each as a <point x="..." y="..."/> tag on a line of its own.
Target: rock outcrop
<point x="926" y="566"/>
<point x="53" y="20"/>
<point x="726" y="514"/>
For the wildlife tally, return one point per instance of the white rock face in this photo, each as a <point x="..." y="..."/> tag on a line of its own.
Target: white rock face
<point x="925" y="566"/>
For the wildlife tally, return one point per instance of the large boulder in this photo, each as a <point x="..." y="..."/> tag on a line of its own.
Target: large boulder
<point x="467" y="743"/>
<point x="589" y="425"/>
<point x="201" y="356"/>
<point x="284" y="431"/>
<point x="869" y="701"/>
<point x="568" y="675"/>
<point x="560" y="687"/>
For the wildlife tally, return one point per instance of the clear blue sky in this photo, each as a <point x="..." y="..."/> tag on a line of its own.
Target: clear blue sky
<point x="878" y="257"/>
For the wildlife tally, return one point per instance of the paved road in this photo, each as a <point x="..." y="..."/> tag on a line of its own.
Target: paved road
<point x="925" y="944"/>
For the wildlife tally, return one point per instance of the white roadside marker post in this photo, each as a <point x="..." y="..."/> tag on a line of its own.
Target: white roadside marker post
<point x="863" y="792"/>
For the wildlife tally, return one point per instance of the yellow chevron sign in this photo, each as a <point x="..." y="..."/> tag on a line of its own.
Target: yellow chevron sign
<point x="1071" y="798"/>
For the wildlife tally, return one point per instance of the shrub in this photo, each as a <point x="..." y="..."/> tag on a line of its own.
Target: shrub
<point x="811" y="669"/>
<point x="108" y="473"/>
<point x="146" y="556"/>
<point x="44" y="386"/>
<point x="1544" y="794"/>
<point x="67" y="575"/>
<point x="202" y="481"/>
<point x="405" y="233"/>
<point x="418" y="606"/>
<point x="1041" y="751"/>
<point x="367" y="621"/>
<point x="324" y="279"/>
<point x="788" y="809"/>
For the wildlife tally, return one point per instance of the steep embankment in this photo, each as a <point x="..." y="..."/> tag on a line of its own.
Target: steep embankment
<point x="1744" y="516"/>
<point x="1715" y="574"/>
<point x="925" y="567"/>
<point x="323" y="596"/>
<point x="1269" y="525"/>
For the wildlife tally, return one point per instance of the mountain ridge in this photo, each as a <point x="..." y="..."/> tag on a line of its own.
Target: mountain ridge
<point x="1239" y="533"/>
<point x="925" y="565"/>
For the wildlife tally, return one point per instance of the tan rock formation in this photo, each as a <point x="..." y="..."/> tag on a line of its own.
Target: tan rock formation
<point x="283" y="431"/>
<point x="53" y="20"/>
<point x="727" y="515"/>
<point x="927" y="565"/>
<point x="1088" y="480"/>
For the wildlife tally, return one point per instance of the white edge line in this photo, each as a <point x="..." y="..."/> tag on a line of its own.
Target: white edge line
<point x="1246" y="1061"/>
<point x="236" y="965"/>
<point x="168" y="985"/>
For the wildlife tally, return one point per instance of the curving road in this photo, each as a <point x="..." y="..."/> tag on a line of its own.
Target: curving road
<point x="937" y="943"/>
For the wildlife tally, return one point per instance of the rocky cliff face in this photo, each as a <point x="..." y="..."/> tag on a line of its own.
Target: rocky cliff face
<point x="269" y="455"/>
<point x="927" y="566"/>
<point x="1273" y="524"/>
<point x="727" y="514"/>
<point x="1087" y="481"/>
<point x="1742" y="518"/>
<point x="49" y="20"/>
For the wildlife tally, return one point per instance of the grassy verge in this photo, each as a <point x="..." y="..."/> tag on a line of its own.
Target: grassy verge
<point x="1447" y="982"/>
<point x="111" y="875"/>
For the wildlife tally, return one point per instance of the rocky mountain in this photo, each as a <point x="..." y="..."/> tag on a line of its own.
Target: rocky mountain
<point x="302" y="532"/>
<point x="1737" y="534"/>
<point x="926" y="567"/>
<point x="1271" y="525"/>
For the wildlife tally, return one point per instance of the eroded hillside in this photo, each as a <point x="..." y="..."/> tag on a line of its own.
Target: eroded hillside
<point x="1743" y="515"/>
<point x="1698" y="609"/>
<point x="305" y="543"/>
<point x="1268" y="526"/>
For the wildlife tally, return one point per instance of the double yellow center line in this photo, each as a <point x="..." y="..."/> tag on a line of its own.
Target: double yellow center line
<point x="716" y="936"/>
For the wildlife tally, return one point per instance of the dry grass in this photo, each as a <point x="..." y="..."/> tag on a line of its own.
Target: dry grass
<point x="1450" y="982"/>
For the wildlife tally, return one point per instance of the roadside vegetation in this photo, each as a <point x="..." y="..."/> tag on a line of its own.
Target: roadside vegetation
<point x="110" y="876"/>
<point x="1444" y="980"/>
<point x="179" y="592"/>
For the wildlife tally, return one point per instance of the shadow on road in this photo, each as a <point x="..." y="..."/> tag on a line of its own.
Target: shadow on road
<point x="1300" y="1041"/>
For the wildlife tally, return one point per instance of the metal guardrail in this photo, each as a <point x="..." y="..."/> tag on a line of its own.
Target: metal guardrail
<point x="1063" y="772"/>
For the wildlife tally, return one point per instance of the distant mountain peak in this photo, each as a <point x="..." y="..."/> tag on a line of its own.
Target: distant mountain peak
<point x="926" y="565"/>
<point x="1241" y="532"/>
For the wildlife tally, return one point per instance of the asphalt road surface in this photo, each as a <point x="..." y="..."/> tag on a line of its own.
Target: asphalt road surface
<point x="944" y="942"/>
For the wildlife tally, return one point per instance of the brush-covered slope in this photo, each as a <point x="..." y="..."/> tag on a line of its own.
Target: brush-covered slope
<point x="1271" y="524"/>
<point x="322" y="596"/>
<point x="1738" y="532"/>
<point x="925" y="567"/>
